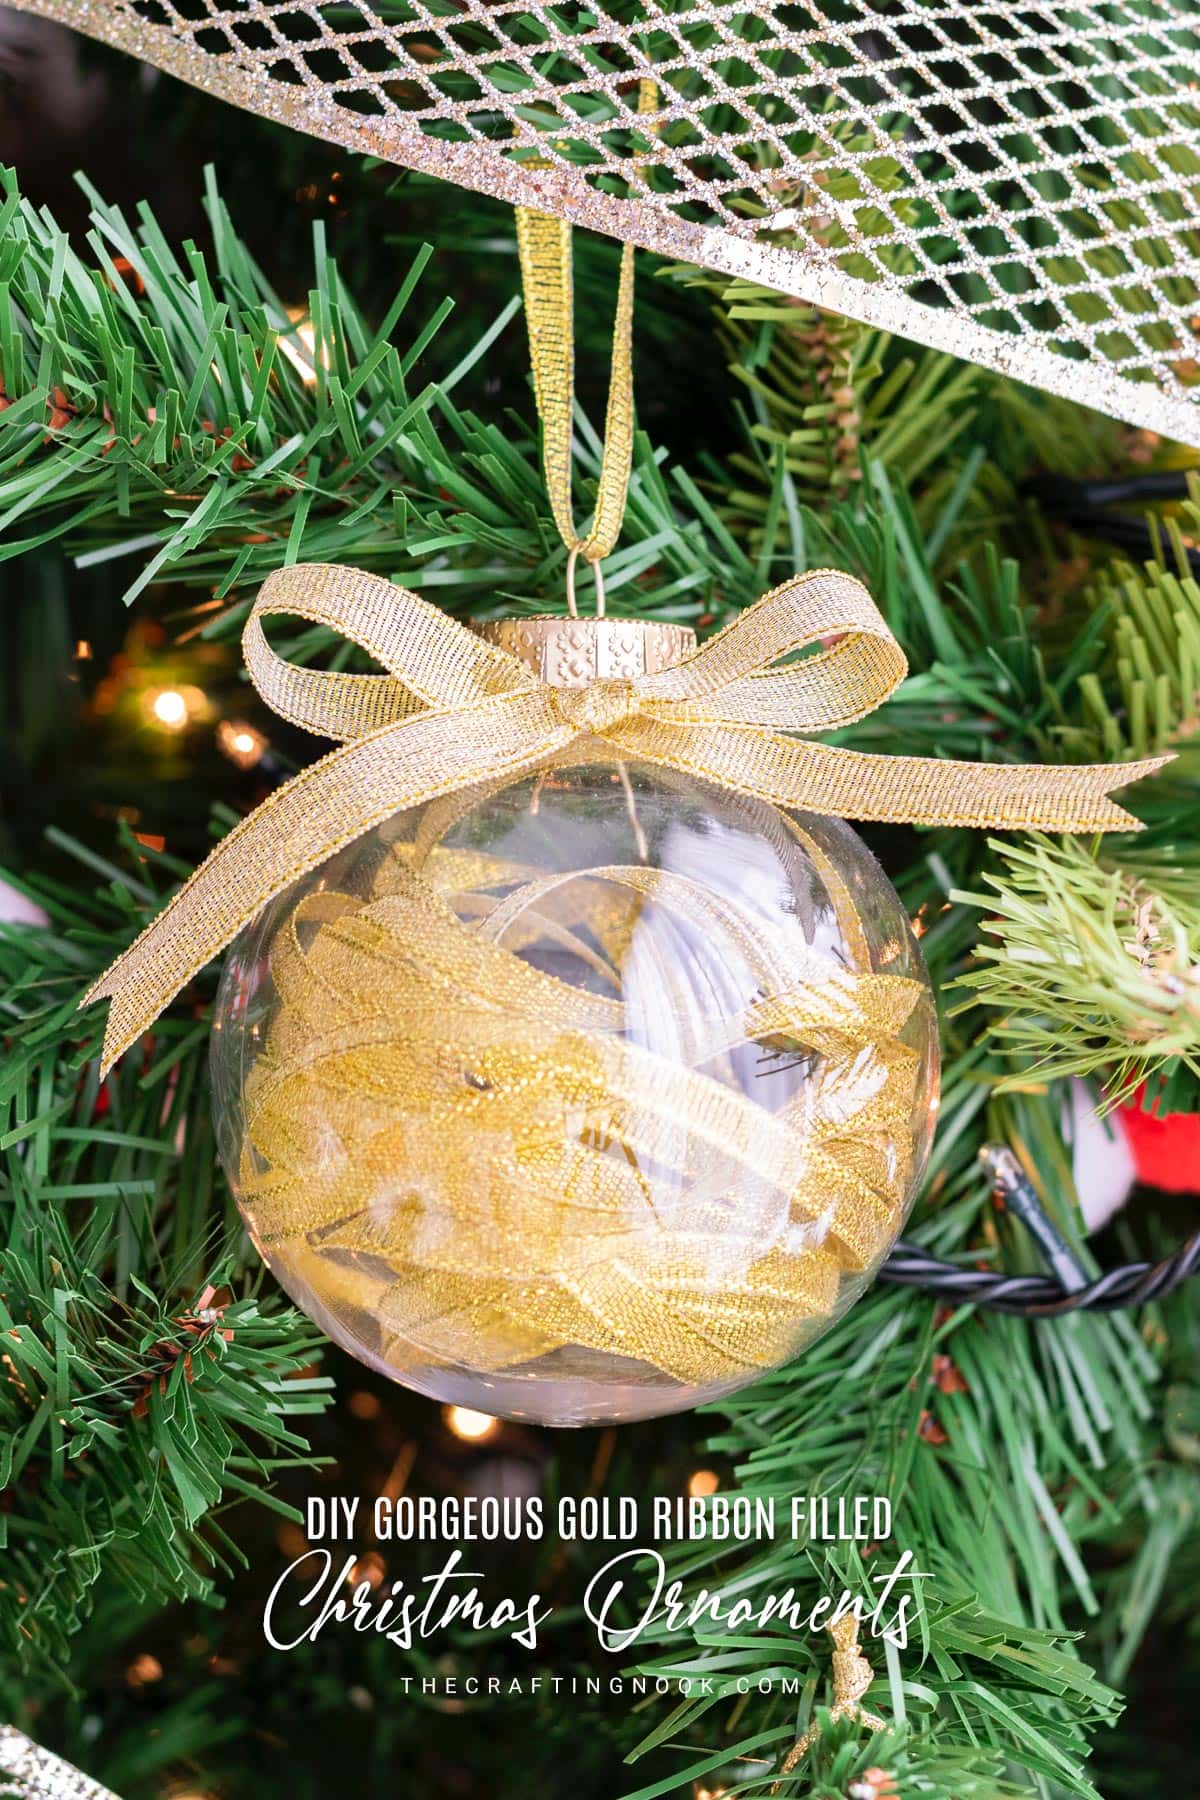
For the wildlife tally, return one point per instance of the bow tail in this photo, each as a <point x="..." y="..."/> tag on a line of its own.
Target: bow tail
<point x="306" y="821"/>
<point x="916" y="790"/>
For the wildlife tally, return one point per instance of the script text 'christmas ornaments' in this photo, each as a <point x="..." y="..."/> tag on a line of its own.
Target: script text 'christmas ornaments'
<point x="573" y="1060"/>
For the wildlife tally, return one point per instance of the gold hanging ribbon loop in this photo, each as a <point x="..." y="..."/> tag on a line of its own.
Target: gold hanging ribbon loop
<point x="544" y="248"/>
<point x="452" y="710"/>
<point x="544" y="245"/>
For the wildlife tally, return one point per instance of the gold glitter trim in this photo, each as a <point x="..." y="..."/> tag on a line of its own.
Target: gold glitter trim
<point x="852" y="1676"/>
<point x="1015" y="185"/>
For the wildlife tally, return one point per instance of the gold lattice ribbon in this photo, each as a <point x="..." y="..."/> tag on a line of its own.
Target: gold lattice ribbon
<point x="27" y="1772"/>
<point x="452" y="711"/>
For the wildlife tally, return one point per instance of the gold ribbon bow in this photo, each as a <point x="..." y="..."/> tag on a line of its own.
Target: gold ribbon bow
<point x="453" y="710"/>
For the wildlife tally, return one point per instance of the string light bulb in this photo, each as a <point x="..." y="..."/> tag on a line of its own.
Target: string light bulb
<point x="143" y="1670"/>
<point x="473" y="1427"/>
<point x="169" y="708"/>
<point x="174" y="708"/>
<point x="241" y="743"/>
<point x="702" y="1482"/>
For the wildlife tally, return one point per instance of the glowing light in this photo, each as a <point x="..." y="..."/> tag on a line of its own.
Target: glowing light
<point x="702" y="1482"/>
<point x="292" y="1542"/>
<point x="242" y="744"/>
<point x="173" y="708"/>
<point x="170" y="708"/>
<point x="143" y="1670"/>
<point x="473" y="1427"/>
<point x="370" y="1568"/>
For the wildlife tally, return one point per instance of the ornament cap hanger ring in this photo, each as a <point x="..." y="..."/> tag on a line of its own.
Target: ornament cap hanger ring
<point x="597" y="577"/>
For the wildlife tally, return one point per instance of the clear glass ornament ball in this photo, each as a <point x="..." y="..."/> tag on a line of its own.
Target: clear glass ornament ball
<point x="581" y="1097"/>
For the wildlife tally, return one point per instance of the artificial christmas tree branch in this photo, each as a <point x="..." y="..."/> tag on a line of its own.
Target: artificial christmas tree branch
<point x="225" y="443"/>
<point x="1093" y="968"/>
<point x="130" y="1403"/>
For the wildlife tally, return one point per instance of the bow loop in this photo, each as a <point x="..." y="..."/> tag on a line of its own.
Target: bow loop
<point x="740" y="676"/>
<point x="431" y="660"/>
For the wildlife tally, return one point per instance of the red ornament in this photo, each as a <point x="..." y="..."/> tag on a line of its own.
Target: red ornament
<point x="1165" y="1148"/>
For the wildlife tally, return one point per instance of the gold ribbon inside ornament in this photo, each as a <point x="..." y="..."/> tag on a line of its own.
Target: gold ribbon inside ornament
<point x="475" y="1162"/>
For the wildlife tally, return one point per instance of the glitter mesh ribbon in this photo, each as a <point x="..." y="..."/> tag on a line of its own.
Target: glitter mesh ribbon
<point x="452" y="711"/>
<point x="34" y="1774"/>
<point x="1014" y="184"/>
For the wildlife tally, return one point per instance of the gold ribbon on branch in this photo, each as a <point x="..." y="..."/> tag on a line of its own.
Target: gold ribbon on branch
<point x="852" y="1677"/>
<point x="453" y="711"/>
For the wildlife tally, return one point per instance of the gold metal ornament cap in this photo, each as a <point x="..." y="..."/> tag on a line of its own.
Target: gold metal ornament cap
<point x="573" y="653"/>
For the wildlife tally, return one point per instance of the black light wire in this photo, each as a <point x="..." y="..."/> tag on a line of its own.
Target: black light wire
<point x="1092" y="508"/>
<point x="1065" y="1290"/>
